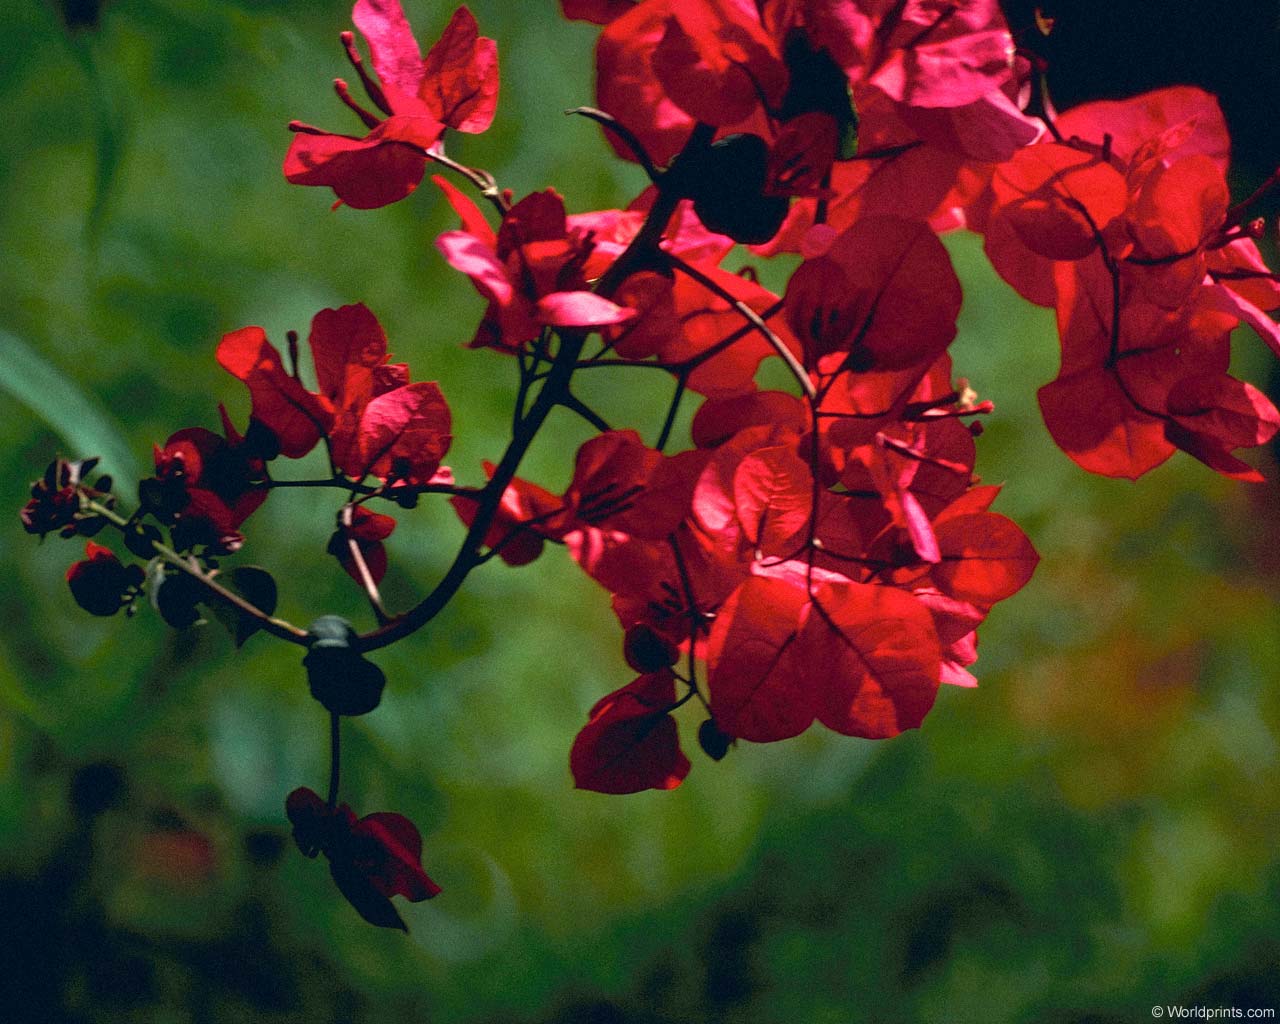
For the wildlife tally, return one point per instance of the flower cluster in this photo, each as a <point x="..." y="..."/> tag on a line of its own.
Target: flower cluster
<point x="824" y="553"/>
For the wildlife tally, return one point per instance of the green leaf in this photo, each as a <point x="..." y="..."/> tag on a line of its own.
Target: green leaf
<point x="55" y="398"/>
<point x="256" y="586"/>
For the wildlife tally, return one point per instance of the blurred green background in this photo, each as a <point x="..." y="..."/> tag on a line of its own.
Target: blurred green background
<point x="1091" y="832"/>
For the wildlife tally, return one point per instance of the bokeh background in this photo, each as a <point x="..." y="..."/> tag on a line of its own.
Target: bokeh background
<point x="1093" y="831"/>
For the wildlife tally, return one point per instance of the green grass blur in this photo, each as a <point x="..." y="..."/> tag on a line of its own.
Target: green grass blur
<point x="1093" y="831"/>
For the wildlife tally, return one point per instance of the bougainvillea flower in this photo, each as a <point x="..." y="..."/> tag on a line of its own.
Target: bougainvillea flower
<point x="630" y="741"/>
<point x="716" y="61"/>
<point x="1108" y="407"/>
<point x="99" y="583"/>
<point x="530" y="270"/>
<point x="1164" y="124"/>
<point x="371" y="859"/>
<point x="621" y="484"/>
<point x="454" y="86"/>
<point x="457" y="82"/>
<point x="601" y="12"/>
<point x="228" y="467"/>
<point x="55" y="498"/>
<point x="929" y="76"/>
<point x="1215" y="414"/>
<point x="1059" y="199"/>
<point x="280" y="402"/>
<point x="376" y="421"/>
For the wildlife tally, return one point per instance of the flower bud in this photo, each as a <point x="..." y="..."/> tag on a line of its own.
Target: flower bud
<point x="340" y="678"/>
<point x="100" y="584"/>
<point x="647" y="651"/>
<point x="714" y="742"/>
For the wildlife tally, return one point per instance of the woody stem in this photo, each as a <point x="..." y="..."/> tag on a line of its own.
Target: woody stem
<point x="335" y="757"/>
<point x="554" y="392"/>
<point x="362" y="567"/>
<point x="268" y="623"/>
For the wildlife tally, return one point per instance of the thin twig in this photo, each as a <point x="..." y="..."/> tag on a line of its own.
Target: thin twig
<point x="779" y="346"/>
<point x="268" y="623"/>
<point x="611" y="124"/>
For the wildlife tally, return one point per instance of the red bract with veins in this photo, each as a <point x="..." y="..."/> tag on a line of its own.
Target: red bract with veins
<point x="455" y="86"/>
<point x="521" y="523"/>
<point x="1123" y="358"/>
<point x="882" y="296"/>
<point x="366" y="530"/>
<point x="630" y="742"/>
<point x="1126" y="226"/>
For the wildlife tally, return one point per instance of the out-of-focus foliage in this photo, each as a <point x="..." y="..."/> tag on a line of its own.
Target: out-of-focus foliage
<point x="1093" y="831"/>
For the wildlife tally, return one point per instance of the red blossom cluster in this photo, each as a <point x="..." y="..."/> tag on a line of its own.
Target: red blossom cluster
<point x="824" y="553"/>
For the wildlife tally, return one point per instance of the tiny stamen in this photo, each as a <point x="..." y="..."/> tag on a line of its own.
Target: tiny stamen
<point x="344" y="94"/>
<point x="371" y="88"/>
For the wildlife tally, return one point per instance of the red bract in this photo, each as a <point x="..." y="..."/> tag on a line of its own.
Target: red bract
<point x="280" y="402"/>
<point x="376" y="422"/>
<point x="630" y="741"/>
<point x="862" y="659"/>
<point x="216" y="479"/>
<point x="370" y="859"/>
<point x="1215" y="414"/>
<point x="367" y="530"/>
<point x="716" y="62"/>
<point x="883" y="296"/>
<point x="920" y="72"/>
<point x="759" y="686"/>
<point x="620" y="484"/>
<point x="1127" y="228"/>
<point x="455" y="86"/>
<point x="983" y="557"/>
<point x="1058" y="200"/>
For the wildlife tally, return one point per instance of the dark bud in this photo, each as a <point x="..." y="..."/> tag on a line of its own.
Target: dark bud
<point x="726" y="183"/>
<point x="340" y="678"/>
<point x="175" y="598"/>
<point x="141" y="539"/>
<point x="371" y="904"/>
<point x="55" y="498"/>
<point x="194" y="530"/>
<point x="646" y="651"/>
<point x="715" y="743"/>
<point x="100" y="584"/>
<point x="406" y="497"/>
<point x="312" y="821"/>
